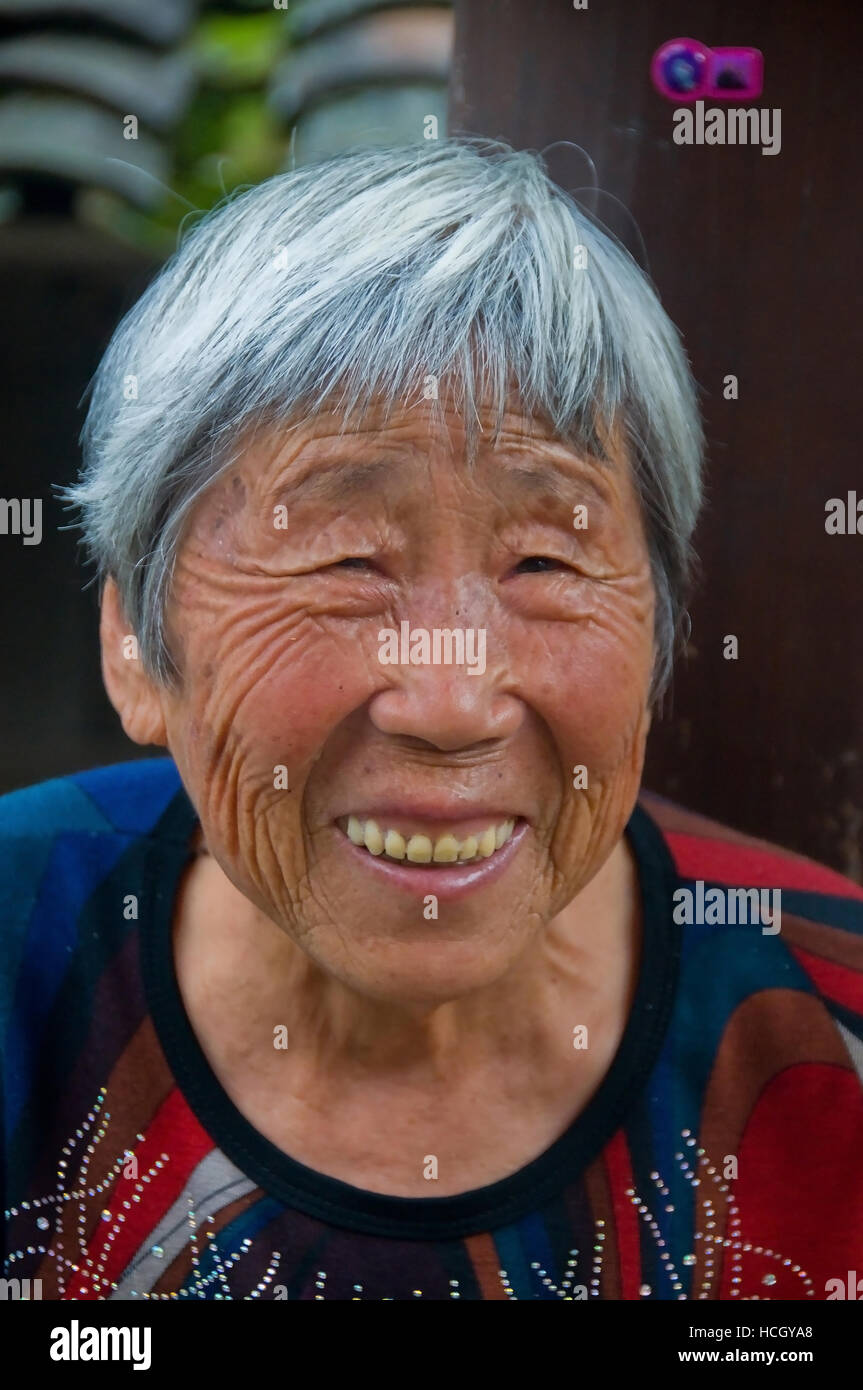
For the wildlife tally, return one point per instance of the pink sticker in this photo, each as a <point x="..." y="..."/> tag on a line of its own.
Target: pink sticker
<point x="685" y="70"/>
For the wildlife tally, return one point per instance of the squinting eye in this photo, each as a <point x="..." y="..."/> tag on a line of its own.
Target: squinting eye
<point x="352" y="562"/>
<point x="544" y="561"/>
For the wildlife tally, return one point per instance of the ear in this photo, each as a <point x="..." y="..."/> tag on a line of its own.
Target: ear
<point x="136" y="698"/>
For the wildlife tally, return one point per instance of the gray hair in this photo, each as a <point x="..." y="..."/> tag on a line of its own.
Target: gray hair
<point x="355" y="279"/>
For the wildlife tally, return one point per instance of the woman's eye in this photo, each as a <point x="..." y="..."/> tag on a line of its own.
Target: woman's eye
<point x="538" y="564"/>
<point x="352" y="562"/>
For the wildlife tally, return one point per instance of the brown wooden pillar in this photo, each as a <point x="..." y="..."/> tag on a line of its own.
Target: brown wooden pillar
<point x="756" y="258"/>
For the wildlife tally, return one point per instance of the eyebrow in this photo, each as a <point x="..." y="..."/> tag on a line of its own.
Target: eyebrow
<point x="338" y="481"/>
<point x="342" y="480"/>
<point x="544" y="483"/>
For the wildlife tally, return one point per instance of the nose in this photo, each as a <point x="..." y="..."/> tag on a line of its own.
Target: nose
<point x="447" y="706"/>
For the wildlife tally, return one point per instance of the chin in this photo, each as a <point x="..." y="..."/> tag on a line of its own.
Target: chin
<point x="427" y="971"/>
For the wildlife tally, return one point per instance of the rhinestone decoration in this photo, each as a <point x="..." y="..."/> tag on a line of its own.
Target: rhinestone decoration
<point x="79" y="1266"/>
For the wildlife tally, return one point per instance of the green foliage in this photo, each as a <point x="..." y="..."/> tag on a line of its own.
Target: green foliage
<point x="228" y="136"/>
<point x="238" y="50"/>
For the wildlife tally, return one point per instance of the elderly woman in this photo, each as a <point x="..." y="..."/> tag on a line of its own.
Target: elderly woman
<point x="388" y="983"/>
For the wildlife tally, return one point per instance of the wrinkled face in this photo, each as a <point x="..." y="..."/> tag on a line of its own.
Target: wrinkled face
<point x="414" y="693"/>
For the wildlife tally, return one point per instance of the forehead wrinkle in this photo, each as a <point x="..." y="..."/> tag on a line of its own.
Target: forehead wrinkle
<point x="541" y="482"/>
<point x="338" y="481"/>
<point x="540" y="469"/>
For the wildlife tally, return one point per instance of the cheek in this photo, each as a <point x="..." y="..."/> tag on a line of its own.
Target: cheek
<point x="592" y="697"/>
<point x="231" y="754"/>
<point x="293" y="711"/>
<point x="280" y="688"/>
<point x="591" y="685"/>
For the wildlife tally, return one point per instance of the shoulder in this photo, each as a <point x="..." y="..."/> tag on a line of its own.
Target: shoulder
<point x="708" y="849"/>
<point x="795" y="923"/>
<point x="59" y="837"/>
<point x="60" y="840"/>
<point x="125" y="798"/>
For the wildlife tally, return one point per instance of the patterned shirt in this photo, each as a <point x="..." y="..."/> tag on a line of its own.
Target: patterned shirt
<point x="721" y="1156"/>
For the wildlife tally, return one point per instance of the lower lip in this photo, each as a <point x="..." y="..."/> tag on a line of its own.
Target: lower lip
<point x="449" y="882"/>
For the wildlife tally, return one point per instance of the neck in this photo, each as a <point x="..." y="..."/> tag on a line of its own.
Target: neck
<point x="242" y="977"/>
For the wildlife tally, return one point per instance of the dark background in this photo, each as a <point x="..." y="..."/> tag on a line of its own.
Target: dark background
<point x="754" y="256"/>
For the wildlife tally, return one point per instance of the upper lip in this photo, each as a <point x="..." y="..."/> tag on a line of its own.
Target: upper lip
<point x="392" y="812"/>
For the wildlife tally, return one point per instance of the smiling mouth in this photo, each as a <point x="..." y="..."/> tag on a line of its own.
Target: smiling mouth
<point x="388" y="842"/>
